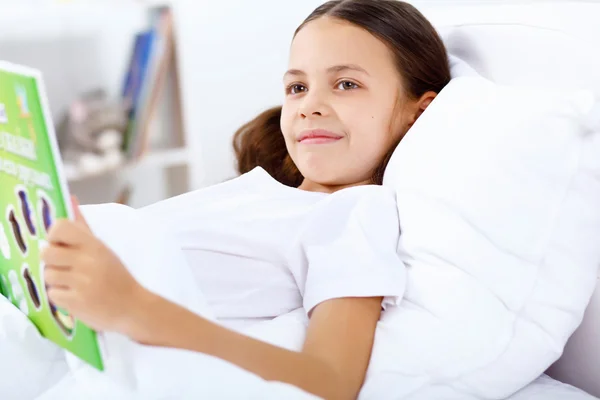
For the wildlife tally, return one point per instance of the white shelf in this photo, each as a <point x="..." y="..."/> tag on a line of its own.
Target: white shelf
<point x="164" y="159"/>
<point x="161" y="159"/>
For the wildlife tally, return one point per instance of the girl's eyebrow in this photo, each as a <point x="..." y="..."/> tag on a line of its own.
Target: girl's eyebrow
<point x="347" y="67"/>
<point x="335" y="68"/>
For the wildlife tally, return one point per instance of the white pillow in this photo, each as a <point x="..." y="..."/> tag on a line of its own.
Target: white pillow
<point x="498" y="192"/>
<point x="540" y="44"/>
<point x="517" y="54"/>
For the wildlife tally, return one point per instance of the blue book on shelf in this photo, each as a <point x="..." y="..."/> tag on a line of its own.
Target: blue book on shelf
<point x="160" y="61"/>
<point x="136" y="79"/>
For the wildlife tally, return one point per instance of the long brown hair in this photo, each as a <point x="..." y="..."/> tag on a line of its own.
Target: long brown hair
<point x="420" y="57"/>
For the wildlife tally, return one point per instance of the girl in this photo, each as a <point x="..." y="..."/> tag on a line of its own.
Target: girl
<point x="307" y="224"/>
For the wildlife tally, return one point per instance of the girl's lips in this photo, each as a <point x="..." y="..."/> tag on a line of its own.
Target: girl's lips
<point x="319" y="140"/>
<point x="318" y="136"/>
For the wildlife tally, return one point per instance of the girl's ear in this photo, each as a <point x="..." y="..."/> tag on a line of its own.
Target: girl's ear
<point x="421" y="105"/>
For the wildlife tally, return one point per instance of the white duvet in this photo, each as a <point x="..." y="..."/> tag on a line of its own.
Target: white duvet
<point x="32" y="368"/>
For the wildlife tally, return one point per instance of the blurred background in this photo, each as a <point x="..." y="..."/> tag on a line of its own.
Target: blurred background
<point x="146" y="95"/>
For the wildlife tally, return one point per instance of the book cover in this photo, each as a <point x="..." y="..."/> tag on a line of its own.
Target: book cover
<point x="33" y="194"/>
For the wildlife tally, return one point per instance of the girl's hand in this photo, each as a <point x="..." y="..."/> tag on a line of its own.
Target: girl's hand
<point x="85" y="278"/>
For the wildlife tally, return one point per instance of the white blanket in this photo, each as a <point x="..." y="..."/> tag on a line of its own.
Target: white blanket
<point x="32" y="368"/>
<point x="41" y="372"/>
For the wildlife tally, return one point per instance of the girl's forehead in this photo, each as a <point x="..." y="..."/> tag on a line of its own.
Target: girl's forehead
<point x="326" y="42"/>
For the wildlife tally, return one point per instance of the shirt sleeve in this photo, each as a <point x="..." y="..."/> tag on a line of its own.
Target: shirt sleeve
<point x="349" y="248"/>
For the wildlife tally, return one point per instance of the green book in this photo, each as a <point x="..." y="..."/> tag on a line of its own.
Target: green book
<point x="33" y="194"/>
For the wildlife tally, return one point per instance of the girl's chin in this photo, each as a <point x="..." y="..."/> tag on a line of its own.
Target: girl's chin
<point x="329" y="178"/>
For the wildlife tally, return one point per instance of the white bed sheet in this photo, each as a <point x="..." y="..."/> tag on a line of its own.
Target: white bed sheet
<point x="546" y="388"/>
<point x="192" y="376"/>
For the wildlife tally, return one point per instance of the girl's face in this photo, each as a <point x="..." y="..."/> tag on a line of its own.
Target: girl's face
<point x="343" y="107"/>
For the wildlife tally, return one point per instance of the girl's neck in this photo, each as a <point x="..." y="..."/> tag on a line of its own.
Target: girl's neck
<point x="311" y="186"/>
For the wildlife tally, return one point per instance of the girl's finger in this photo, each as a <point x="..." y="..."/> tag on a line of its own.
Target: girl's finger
<point x="58" y="256"/>
<point x="60" y="297"/>
<point x="77" y="211"/>
<point x="68" y="233"/>
<point x="58" y="278"/>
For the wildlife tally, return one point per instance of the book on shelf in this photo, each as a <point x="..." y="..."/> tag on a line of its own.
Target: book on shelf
<point x="152" y="63"/>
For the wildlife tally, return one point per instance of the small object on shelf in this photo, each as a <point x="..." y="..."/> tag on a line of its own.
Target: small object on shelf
<point x="91" y="134"/>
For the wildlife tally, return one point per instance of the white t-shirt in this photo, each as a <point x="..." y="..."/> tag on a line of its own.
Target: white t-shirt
<point x="260" y="249"/>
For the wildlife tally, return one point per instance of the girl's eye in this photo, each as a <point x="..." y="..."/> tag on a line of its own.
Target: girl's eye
<point x="296" y="88"/>
<point x="347" y="85"/>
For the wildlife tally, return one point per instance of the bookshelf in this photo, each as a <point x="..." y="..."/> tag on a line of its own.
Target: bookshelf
<point x="99" y="35"/>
